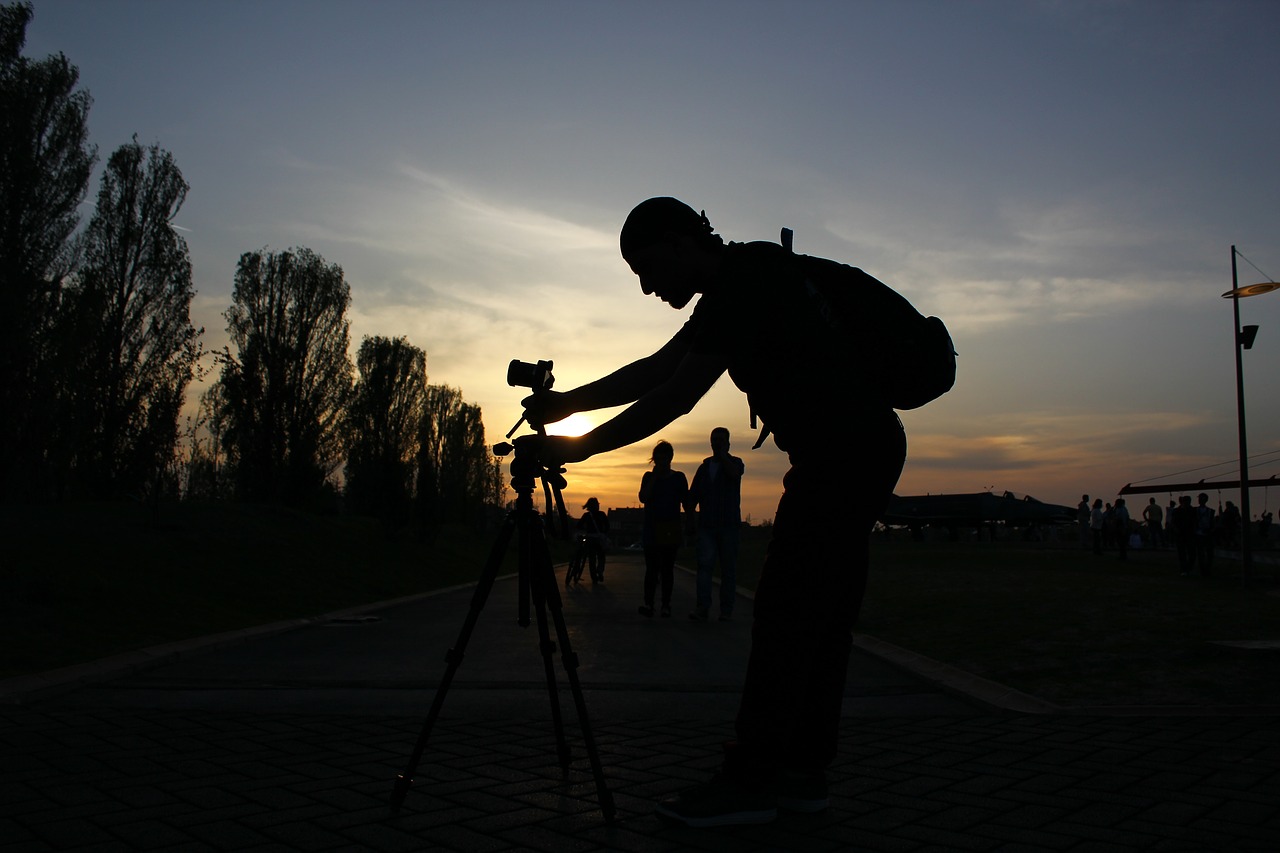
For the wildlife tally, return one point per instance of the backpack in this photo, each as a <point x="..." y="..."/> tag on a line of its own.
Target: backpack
<point x="909" y="357"/>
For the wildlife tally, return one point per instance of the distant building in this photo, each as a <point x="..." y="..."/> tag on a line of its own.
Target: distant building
<point x="626" y="526"/>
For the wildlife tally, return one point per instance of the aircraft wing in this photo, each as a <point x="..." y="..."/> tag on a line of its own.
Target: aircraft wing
<point x="973" y="509"/>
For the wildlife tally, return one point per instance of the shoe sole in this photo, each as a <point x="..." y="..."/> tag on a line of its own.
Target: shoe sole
<point x="734" y="819"/>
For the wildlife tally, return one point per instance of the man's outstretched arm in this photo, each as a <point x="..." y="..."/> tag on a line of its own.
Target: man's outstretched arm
<point x="677" y="396"/>
<point x="625" y="385"/>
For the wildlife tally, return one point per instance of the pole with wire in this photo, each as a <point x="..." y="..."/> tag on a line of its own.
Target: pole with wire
<point x="1243" y="339"/>
<point x="1246" y="550"/>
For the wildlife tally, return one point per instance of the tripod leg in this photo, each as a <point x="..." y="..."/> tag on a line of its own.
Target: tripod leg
<point x="545" y="580"/>
<point x="548" y="650"/>
<point x="454" y="658"/>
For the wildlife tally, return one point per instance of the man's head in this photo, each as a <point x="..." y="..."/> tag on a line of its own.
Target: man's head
<point x="720" y="440"/>
<point x="671" y="247"/>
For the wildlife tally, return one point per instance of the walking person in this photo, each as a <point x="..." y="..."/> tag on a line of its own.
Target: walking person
<point x="663" y="492"/>
<point x="594" y="526"/>
<point x="717" y="494"/>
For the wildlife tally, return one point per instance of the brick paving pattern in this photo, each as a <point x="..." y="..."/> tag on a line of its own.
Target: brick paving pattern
<point x="194" y="781"/>
<point x="291" y="737"/>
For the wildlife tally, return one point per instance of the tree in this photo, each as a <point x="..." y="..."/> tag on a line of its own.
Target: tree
<point x="382" y="427"/>
<point x="128" y="323"/>
<point x="457" y="474"/>
<point x="285" y="388"/>
<point x="45" y="163"/>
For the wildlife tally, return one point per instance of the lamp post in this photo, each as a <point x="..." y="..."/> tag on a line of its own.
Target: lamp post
<point x="1243" y="340"/>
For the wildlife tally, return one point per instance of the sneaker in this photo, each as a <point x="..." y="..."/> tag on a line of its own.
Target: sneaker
<point x="646" y="610"/>
<point x="726" y="617"/>
<point x="666" y="610"/>
<point x="699" y="615"/>
<point x="802" y="792"/>
<point x="722" y="802"/>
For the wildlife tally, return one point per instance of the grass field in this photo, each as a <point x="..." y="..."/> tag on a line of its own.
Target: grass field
<point x="82" y="582"/>
<point x="85" y="582"/>
<point x="1072" y="628"/>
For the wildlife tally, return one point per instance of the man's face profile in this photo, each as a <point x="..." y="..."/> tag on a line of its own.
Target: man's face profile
<point x="664" y="273"/>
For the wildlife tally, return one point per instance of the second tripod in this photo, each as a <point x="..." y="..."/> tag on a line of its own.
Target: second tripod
<point x="537" y="583"/>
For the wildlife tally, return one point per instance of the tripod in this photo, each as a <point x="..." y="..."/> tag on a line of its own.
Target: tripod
<point x="537" y="580"/>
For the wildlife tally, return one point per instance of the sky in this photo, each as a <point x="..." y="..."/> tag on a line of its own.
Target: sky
<point x="1061" y="182"/>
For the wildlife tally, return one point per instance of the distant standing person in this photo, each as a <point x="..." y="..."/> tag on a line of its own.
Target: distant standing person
<point x="717" y="494"/>
<point x="1154" y="517"/>
<point x="1122" y="528"/>
<point x="663" y="491"/>
<point x="1182" y="519"/>
<point x="1231" y="526"/>
<point x="1204" y="535"/>
<point x="1096" y="519"/>
<point x="594" y="526"/>
<point x="1083" y="517"/>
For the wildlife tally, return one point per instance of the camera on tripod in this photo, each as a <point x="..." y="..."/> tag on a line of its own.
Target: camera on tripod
<point x="536" y="586"/>
<point x="522" y="374"/>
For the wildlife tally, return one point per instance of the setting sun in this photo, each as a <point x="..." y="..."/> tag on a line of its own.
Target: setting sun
<point x="574" y="425"/>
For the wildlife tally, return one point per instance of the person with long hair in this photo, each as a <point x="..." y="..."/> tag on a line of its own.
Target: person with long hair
<point x="663" y="492"/>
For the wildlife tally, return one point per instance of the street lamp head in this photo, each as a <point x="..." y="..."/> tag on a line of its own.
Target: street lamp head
<point x="1252" y="290"/>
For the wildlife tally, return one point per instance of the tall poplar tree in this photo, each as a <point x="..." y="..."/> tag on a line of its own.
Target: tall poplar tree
<point x="457" y="474"/>
<point x="285" y="388"/>
<point x="129" y="326"/>
<point x="382" y="427"/>
<point x="45" y="163"/>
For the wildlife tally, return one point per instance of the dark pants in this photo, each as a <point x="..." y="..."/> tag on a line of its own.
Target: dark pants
<point x="595" y="557"/>
<point x="1186" y="552"/>
<point x="1204" y="554"/>
<point x="807" y="602"/>
<point x="659" y="566"/>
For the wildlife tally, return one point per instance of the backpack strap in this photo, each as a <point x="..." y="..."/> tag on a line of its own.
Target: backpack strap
<point x="786" y="240"/>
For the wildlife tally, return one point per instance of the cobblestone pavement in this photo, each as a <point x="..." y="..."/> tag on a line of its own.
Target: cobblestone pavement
<point x="192" y="781"/>
<point x="177" y="756"/>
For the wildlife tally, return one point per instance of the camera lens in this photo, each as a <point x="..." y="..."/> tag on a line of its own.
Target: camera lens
<point x="522" y="374"/>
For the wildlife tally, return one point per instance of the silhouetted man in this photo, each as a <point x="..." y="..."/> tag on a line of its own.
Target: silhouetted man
<point x="1183" y="520"/>
<point x="752" y="321"/>
<point x="1204" y="535"/>
<point x="1154" y="516"/>
<point x="1083" y="515"/>
<point x="717" y="494"/>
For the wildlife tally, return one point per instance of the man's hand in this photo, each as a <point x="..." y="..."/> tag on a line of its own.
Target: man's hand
<point x="546" y="407"/>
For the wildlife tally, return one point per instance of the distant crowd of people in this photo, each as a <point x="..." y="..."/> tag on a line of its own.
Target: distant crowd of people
<point x="1194" y="531"/>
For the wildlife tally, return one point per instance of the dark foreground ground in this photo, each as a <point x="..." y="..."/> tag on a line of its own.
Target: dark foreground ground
<point x="290" y="740"/>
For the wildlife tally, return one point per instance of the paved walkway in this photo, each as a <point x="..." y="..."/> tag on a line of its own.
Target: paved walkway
<point x="289" y="738"/>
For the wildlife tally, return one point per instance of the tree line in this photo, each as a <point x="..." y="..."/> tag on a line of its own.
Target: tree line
<point x="98" y="350"/>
